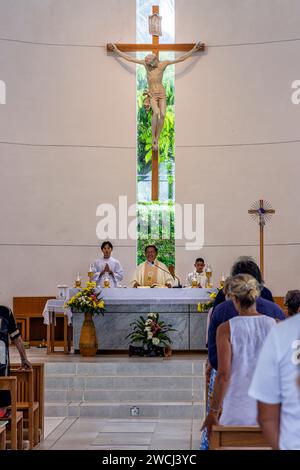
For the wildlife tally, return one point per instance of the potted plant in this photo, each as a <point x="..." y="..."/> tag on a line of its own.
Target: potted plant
<point x="153" y="333"/>
<point x="89" y="302"/>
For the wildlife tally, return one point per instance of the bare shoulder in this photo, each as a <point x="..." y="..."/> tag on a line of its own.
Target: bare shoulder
<point x="223" y="330"/>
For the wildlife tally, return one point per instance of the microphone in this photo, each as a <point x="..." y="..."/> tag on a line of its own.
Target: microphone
<point x="168" y="272"/>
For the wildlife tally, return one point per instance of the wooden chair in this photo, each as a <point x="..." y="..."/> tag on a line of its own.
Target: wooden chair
<point x="237" y="437"/>
<point x="26" y="403"/>
<point x="15" y="421"/>
<point x="3" y="435"/>
<point x="38" y="392"/>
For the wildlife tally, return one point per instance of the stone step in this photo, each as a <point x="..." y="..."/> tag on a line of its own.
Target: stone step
<point x="158" y="387"/>
<point x="173" y="395"/>
<point x="184" y="410"/>
<point x="131" y="367"/>
<point x="53" y="382"/>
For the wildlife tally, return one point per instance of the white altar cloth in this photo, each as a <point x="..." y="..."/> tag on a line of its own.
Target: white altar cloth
<point x="124" y="296"/>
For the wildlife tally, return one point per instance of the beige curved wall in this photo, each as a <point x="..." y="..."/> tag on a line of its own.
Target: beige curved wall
<point x="75" y="106"/>
<point x="240" y="95"/>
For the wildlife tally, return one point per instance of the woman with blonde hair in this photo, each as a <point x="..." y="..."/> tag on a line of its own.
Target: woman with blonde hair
<point x="239" y="342"/>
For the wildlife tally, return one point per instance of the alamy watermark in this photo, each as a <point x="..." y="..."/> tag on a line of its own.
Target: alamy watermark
<point x="2" y="92"/>
<point x="295" y="98"/>
<point x="121" y="223"/>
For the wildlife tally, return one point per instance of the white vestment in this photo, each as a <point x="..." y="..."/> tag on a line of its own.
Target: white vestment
<point x="114" y="266"/>
<point x="200" y="277"/>
<point x="162" y="274"/>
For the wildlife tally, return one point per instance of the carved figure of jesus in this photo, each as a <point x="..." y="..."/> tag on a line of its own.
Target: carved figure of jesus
<point x="156" y="91"/>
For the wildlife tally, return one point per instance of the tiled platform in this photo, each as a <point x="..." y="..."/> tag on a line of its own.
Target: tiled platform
<point x="127" y="434"/>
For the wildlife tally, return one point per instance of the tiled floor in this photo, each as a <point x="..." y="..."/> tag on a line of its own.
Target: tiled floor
<point x="123" y="434"/>
<point x="36" y="354"/>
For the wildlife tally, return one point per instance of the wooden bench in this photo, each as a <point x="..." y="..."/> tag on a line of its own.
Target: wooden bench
<point x="26" y="404"/>
<point x="38" y="392"/>
<point x="3" y="435"/>
<point x="15" y="421"/>
<point x="28" y="312"/>
<point x="237" y="437"/>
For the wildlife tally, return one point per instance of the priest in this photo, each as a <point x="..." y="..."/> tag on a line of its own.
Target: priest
<point x="152" y="272"/>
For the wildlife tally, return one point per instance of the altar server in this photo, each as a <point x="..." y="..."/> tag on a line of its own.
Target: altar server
<point x="198" y="275"/>
<point x="106" y="268"/>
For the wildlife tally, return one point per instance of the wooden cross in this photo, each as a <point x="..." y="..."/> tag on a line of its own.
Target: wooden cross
<point x="263" y="211"/>
<point x="155" y="48"/>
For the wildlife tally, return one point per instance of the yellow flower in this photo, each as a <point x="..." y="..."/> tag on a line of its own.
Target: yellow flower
<point x="90" y="285"/>
<point x="213" y="295"/>
<point x="101" y="304"/>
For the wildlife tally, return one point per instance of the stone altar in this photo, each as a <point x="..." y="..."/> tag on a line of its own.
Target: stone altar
<point x="123" y="306"/>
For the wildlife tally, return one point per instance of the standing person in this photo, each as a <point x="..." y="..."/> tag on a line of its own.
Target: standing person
<point x="275" y="386"/>
<point x="198" y="274"/>
<point x="246" y="265"/>
<point x="9" y="330"/>
<point x="152" y="272"/>
<point x="292" y="302"/>
<point x="239" y="342"/>
<point x="107" y="266"/>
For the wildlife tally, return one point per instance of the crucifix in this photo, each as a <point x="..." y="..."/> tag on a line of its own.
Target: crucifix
<point x="155" y="95"/>
<point x="263" y="210"/>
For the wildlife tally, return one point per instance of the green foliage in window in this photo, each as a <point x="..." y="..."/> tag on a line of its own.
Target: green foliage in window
<point x="158" y="218"/>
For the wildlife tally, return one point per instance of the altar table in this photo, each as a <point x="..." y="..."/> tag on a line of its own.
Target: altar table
<point x="179" y="307"/>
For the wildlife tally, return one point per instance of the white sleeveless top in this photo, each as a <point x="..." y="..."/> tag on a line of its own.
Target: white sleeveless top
<point x="247" y="335"/>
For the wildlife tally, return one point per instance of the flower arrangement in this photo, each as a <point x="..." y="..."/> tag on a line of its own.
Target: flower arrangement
<point x="151" y="332"/>
<point x="87" y="300"/>
<point x="205" y="307"/>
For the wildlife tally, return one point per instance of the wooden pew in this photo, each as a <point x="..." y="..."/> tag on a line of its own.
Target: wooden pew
<point x="15" y="421"/>
<point x="3" y="435"/>
<point x="280" y="302"/>
<point x="39" y="393"/>
<point x="26" y="404"/>
<point x="237" y="437"/>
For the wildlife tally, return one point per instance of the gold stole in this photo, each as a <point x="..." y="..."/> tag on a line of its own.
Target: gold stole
<point x="150" y="274"/>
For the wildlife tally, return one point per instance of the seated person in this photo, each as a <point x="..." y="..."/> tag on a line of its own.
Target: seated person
<point x="152" y="272"/>
<point x="198" y="274"/>
<point x="107" y="267"/>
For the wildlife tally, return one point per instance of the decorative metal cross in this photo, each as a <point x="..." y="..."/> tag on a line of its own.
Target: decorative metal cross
<point x="155" y="48"/>
<point x="263" y="210"/>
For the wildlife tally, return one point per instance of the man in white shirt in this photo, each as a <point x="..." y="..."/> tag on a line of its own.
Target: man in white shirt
<point x="275" y="385"/>
<point x="198" y="275"/>
<point x="107" y="267"/>
<point x="152" y="272"/>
